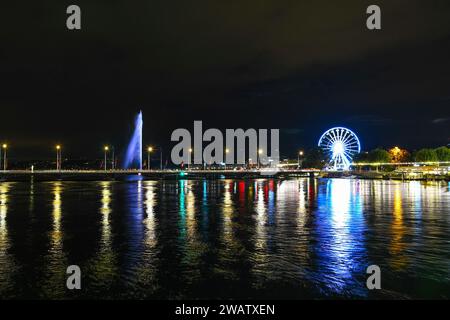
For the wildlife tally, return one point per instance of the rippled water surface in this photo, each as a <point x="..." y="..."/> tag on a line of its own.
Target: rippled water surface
<point x="267" y="238"/>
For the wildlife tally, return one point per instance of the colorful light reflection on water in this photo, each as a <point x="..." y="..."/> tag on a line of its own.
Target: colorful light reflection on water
<point x="265" y="238"/>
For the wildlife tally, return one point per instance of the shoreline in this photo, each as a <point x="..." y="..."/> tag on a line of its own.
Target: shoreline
<point x="127" y="175"/>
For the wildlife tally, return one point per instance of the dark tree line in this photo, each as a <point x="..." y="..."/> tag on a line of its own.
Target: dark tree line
<point x="316" y="158"/>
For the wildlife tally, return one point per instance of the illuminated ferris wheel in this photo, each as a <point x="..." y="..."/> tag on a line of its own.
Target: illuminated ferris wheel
<point x="340" y="145"/>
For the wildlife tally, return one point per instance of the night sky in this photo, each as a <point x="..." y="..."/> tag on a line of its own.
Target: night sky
<point x="300" y="66"/>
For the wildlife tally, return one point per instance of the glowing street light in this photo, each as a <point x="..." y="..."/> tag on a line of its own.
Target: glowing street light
<point x="258" y="160"/>
<point x="300" y="154"/>
<point x="58" y="157"/>
<point x="149" y="151"/>
<point x="106" y="149"/>
<point x="190" y="158"/>
<point x="227" y="151"/>
<point x="5" y="158"/>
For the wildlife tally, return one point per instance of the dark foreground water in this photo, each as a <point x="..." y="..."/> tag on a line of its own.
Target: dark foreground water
<point x="225" y="238"/>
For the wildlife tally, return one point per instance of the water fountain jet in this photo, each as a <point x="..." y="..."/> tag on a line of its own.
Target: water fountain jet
<point x="133" y="156"/>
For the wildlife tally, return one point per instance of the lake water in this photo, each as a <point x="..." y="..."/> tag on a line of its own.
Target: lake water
<point x="195" y="239"/>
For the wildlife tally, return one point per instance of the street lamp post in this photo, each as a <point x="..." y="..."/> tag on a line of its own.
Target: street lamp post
<point x="149" y="159"/>
<point x="190" y="158"/>
<point x="113" y="159"/>
<point x="106" y="151"/>
<point x="300" y="154"/>
<point x="258" y="159"/>
<point x="225" y="160"/>
<point x="5" y="158"/>
<point x="58" y="157"/>
<point x="160" y="158"/>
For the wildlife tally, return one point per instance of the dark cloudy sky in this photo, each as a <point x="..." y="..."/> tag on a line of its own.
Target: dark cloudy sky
<point x="301" y="66"/>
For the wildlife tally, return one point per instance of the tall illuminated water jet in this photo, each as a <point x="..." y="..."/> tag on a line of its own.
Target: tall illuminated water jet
<point x="133" y="157"/>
